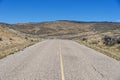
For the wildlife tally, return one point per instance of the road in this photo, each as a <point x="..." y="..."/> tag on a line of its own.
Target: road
<point x="59" y="60"/>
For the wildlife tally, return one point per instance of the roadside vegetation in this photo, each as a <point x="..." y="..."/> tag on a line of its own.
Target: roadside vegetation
<point x="109" y="45"/>
<point x="11" y="42"/>
<point x="102" y="36"/>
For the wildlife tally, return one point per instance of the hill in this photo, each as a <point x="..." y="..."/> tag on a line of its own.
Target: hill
<point x="11" y="41"/>
<point x="64" y="29"/>
<point x="102" y="36"/>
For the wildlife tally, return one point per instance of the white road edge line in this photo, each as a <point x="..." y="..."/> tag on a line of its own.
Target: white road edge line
<point x="61" y="63"/>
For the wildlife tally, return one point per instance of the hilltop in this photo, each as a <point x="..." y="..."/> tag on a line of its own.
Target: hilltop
<point x="64" y="29"/>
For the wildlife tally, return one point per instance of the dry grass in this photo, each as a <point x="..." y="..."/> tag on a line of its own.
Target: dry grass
<point x="14" y="48"/>
<point x="111" y="51"/>
<point x="92" y="31"/>
<point x="95" y="41"/>
<point x="12" y="42"/>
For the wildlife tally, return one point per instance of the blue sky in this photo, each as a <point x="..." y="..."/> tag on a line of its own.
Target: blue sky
<point x="17" y="11"/>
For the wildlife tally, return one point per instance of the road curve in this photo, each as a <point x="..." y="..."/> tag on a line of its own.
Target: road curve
<point x="59" y="60"/>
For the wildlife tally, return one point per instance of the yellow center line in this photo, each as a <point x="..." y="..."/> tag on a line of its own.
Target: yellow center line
<point x="61" y="64"/>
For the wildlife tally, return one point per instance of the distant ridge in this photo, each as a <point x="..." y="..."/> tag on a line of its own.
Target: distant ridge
<point x="62" y="28"/>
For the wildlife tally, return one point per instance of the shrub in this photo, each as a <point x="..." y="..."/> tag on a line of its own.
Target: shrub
<point x="109" y="40"/>
<point x="84" y="39"/>
<point x="10" y="39"/>
<point x="32" y="40"/>
<point x="26" y="38"/>
<point x="1" y="39"/>
<point x="118" y="40"/>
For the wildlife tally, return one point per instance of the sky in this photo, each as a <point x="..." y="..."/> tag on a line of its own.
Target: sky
<point x="21" y="11"/>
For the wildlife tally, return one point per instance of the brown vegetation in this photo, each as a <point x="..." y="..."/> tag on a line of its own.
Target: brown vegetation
<point x="103" y="36"/>
<point x="11" y="42"/>
<point x="107" y="43"/>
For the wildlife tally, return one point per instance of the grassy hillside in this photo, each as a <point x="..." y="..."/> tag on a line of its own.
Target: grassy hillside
<point x="11" y="42"/>
<point x="88" y="33"/>
<point x="97" y="42"/>
<point x="64" y="29"/>
<point x="52" y="29"/>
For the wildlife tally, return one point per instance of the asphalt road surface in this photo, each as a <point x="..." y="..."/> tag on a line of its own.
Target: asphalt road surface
<point x="59" y="60"/>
